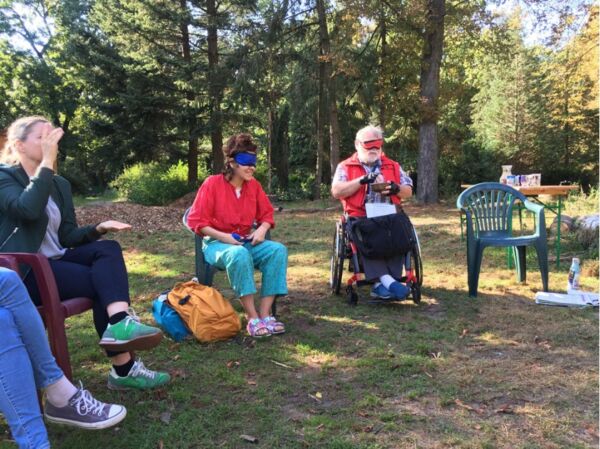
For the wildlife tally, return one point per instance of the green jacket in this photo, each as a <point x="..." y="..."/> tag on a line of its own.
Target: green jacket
<point x="23" y="206"/>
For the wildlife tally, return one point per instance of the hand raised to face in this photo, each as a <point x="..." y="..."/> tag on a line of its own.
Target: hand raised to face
<point x="49" y="143"/>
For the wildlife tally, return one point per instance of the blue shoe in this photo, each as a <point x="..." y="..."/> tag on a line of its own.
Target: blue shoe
<point x="399" y="290"/>
<point x="379" y="291"/>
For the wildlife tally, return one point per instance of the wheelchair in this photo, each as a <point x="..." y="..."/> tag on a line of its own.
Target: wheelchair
<point x="344" y="249"/>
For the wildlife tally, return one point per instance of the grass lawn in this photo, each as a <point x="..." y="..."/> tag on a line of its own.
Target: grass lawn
<point x="454" y="372"/>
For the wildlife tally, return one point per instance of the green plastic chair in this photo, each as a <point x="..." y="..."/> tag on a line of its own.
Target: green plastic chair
<point x="205" y="272"/>
<point x="488" y="208"/>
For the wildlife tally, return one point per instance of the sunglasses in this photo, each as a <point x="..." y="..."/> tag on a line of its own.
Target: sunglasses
<point x="373" y="144"/>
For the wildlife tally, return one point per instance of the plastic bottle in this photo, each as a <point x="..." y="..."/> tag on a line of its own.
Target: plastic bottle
<point x="574" y="273"/>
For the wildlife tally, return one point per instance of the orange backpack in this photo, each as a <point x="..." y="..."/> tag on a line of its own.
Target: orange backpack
<point x="208" y="315"/>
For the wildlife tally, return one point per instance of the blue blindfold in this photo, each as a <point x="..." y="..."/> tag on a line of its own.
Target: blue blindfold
<point x="245" y="159"/>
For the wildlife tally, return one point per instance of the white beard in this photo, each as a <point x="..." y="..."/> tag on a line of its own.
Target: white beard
<point x="368" y="159"/>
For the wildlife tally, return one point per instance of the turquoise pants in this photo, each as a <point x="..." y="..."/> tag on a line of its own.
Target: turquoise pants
<point x="239" y="261"/>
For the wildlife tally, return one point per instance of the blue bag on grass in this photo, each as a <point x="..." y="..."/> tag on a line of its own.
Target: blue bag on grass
<point x="168" y="318"/>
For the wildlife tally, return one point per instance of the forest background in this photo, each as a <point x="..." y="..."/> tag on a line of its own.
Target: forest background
<point x="153" y="87"/>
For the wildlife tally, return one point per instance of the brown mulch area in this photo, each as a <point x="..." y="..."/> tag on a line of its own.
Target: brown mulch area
<point x="142" y="218"/>
<point x="185" y="201"/>
<point x="155" y="218"/>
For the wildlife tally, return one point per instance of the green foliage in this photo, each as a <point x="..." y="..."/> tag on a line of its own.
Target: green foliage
<point x="116" y="76"/>
<point x="152" y="183"/>
<point x="471" y="165"/>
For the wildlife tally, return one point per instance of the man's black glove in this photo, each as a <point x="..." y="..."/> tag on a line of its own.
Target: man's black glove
<point x="369" y="178"/>
<point x="394" y="189"/>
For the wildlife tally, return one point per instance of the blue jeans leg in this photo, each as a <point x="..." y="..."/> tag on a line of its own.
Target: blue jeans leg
<point x="14" y="297"/>
<point x="18" y="399"/>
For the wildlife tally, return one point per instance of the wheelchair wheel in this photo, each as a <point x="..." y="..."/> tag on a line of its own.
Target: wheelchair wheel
<point x="417" y="265"/>
<point x="336" y="263"/>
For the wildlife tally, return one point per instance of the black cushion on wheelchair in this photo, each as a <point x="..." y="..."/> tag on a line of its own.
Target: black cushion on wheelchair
<point x="385" y="236"/>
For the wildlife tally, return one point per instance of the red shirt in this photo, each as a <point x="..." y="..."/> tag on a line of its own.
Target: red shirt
<point x="354" y="204"/>
<point x="216" y="205"/>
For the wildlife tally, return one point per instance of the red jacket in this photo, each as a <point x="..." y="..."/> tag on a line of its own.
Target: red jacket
<point x="354" y="205"/>
<point x="216" y="205"/>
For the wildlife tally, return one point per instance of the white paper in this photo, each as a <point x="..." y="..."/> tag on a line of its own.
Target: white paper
<point x="379" y="209"/>
<point x="575" y="298"/>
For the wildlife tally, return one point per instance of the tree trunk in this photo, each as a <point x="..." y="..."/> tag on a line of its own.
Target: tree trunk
<point x="215" y="89"/>
<point x="427" y="188"/>
<point x="326" y="60"/>
<point x="321" y="113"/>
<point x="270" y="148"/>
<point x="283" y="174"/>
<point x="382" y="72"/>
<point x="566" y="128"/>
<point x="334" y="130"/>
<point x="281" y="147"/>
<point x="192" y="156"/>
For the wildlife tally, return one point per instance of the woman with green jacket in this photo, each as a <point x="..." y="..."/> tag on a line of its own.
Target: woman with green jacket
<point x="37" y="216"/>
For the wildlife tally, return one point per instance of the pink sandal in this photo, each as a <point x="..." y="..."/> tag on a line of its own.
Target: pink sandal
<point x="274" y="326"/>
<point x="258" y="329"/>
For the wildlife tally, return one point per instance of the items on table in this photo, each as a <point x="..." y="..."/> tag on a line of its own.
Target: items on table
<point x="532" y="180"/>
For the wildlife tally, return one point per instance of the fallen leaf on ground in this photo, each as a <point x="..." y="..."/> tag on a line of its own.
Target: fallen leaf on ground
<point x="165" y="417"/>
<point x="233" y="363"/>
<point x="505" y="408"/>
<point x="543" y="343"/>
<point x="249" y="438"/>
<point x="161" y="445"/>
<point x="468" y="407"/>
<point x="159" y="394"/>
<point x="178" y="372"/>
<point x="314" y="397"/>
<point x="464" y="333"/>
<point x="281" y="364"/>
<point x="251" y="382"/>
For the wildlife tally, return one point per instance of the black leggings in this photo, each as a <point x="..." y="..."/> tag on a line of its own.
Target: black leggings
<point x="95" y="270"/>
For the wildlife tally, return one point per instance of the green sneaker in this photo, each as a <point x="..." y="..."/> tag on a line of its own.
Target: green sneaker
<point x="139" y="378"/>
<point x="130" y="335"/>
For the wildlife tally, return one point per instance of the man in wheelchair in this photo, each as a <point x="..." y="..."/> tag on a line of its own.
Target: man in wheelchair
<point x="368" y="184"/>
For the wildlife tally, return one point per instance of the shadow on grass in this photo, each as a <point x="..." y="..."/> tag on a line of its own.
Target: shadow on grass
<point x="449" y="372"/>
<point x="496" y="371"/>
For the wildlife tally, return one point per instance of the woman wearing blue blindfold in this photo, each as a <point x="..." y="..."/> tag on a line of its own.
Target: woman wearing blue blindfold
<point x="233" y="214"/>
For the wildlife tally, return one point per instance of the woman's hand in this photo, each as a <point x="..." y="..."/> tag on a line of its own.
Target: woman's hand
<point x="228" y="238"/>
<point x="112" y="226"/>
<point x="49" y="144"/>
<point x="258" y="236"/>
